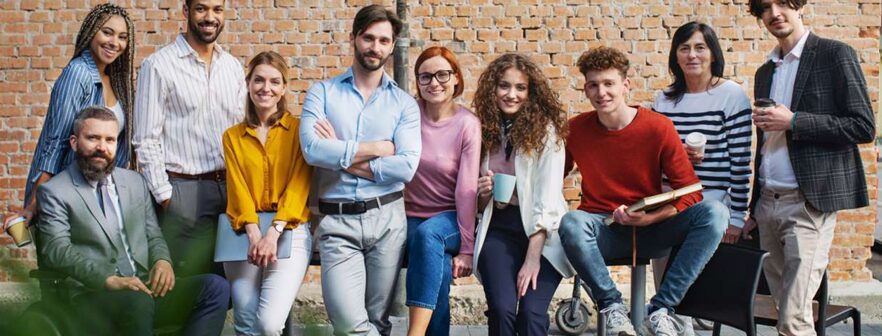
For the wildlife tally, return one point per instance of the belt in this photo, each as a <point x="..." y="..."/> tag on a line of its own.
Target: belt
<point x="217" y="175"/>
<point x="358" y="207"/>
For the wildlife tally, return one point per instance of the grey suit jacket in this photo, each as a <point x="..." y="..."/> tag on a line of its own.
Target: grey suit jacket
<point x="73" y="237"/>
<point x="833" y="115"/>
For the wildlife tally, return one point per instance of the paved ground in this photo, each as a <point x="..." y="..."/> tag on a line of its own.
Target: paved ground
<point x="400" y="329"/>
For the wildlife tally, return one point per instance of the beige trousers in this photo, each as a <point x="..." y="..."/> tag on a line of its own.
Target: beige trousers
<point x="798" y="239"/>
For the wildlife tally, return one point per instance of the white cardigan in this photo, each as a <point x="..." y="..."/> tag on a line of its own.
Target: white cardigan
<point x="542" y="204"/>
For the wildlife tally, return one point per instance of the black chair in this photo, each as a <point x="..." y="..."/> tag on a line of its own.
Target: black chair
<point x="824" y="313"/>
<point x="724" y="290"/>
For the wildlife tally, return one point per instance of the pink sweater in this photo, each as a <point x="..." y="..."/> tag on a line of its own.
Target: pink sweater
<point x="447" y="177"/>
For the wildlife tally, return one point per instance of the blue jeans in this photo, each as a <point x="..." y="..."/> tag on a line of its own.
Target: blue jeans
<point x="698" y="230"/>
<point x="431" y="245"/>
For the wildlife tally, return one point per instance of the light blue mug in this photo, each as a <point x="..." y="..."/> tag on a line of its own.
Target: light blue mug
<point x="503" y="187"/>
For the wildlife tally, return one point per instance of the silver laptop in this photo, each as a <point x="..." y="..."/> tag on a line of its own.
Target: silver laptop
<point x="233" y="246"/>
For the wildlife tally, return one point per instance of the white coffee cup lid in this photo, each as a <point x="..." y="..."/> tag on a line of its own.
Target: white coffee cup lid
<point x="696" y="138"/>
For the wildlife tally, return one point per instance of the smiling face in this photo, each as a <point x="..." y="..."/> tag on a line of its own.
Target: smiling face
<point x="374" y="46"/>
<point x="266" y="86"/>
<point x="694" y="57"/>
<point x="780" y="19"/>
<point x="95" y="147"/>
<point x="205" y="19"/>
<point x="512" y="91"/>
<point x="436" y="92"/>
<point x="110" y="41"/>
<point x="606" y="89"/>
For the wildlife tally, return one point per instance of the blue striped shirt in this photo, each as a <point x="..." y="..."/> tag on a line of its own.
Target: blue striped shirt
<point x="388" y="114"/>
<point x="78" y="87"/>
<point x="722" y="114"/>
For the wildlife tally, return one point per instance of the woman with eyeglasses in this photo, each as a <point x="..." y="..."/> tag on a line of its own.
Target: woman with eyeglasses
<point x="441" y="199"/>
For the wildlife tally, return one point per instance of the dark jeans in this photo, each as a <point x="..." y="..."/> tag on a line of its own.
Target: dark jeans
<point x="197" y="304"/>
<point x="502" y="256"/>
<point x="189" y="224"/>
<point x="431" y="245"/>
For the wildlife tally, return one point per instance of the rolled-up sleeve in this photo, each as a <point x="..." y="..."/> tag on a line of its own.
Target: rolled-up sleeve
<point x="400" y="168"/>
<point x="325" y="153"/>
<point x="146" y="138"/>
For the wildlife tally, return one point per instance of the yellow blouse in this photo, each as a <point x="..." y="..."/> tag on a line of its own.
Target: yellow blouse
<point x="264" y="178"/>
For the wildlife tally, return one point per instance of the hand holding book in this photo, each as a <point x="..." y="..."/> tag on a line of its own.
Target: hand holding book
<point x="634" y="212"/>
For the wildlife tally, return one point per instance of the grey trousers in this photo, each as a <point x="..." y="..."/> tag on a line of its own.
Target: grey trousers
<point x="189" y="224"/>
<point x="361" y="257"/>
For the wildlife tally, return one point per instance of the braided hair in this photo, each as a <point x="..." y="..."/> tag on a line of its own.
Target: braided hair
<point x="121" y="71"/>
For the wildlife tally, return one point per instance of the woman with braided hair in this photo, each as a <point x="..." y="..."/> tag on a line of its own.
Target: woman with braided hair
<point x="99" y="73"/>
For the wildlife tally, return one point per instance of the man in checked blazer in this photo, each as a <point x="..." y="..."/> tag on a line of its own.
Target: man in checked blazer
<point x="97" y="226"/>
<point x="807" y="164"/>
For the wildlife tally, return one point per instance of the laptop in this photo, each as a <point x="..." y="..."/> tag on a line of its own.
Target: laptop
<point x="233" y="246"/>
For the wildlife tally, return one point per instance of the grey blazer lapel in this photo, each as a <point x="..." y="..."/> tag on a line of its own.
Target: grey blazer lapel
<point x="806" y="64"/>
<point x="126" y="203"/>
<point x="84" y="189"/>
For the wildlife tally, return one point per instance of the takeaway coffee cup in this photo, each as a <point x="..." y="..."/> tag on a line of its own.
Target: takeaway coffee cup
<point x="696" y="142"/>
<point x="764" y="103"/>
<point x="503" y="187"/>
<point x="18" y="229"/>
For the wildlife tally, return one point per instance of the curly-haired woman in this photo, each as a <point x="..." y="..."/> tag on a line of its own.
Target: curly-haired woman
<point x="518" y="256"/>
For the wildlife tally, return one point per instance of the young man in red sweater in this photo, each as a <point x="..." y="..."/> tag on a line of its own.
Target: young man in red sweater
<point x="623" y="152"/>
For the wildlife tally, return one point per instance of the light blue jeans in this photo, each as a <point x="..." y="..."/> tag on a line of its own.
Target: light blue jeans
<point x="587" y="242"/>
<point x="431" y="245"/>
<point x="263" y="296"/>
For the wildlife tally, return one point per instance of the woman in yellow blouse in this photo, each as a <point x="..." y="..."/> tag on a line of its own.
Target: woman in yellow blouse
<point x="266" y="172"/>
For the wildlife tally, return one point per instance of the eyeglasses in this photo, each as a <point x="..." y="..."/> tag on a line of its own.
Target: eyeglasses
<point x="443" y="76"/>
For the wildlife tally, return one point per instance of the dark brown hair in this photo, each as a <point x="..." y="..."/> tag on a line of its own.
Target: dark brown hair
<point x="449" y="57"/>
<point x="92" y="112"/>
<point x="755" y="7"/>
<point x="541" y="109"/>
<point x="604" y="58"/>
<point x="373" y="14"/>
<point x="276" y="61"/>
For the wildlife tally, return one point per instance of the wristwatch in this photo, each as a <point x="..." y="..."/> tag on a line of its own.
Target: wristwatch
<point x="279" y="226"/>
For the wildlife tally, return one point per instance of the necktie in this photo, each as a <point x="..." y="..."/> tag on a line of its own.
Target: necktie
<point x="112" y="224"/>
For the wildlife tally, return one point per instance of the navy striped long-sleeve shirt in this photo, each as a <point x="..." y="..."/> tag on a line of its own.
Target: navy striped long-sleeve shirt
<point x="78" y="86"/>
<point x="722" y="114"/>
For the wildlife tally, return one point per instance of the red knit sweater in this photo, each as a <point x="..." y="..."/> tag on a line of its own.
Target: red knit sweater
<point x="624" y="166"/>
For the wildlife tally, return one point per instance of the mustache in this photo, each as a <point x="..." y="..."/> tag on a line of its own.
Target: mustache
<point x="98" y="154"/>
<point x="208" y="24"/>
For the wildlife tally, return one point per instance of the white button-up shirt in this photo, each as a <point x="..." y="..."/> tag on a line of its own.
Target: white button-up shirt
<point x="776" y="171"/>
<point x="182" y="110"/>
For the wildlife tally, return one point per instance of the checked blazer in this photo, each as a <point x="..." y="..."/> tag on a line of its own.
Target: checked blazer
<point x="833" y="115"/>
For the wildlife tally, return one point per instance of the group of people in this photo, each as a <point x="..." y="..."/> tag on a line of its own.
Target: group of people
<point x="376" y="174"/>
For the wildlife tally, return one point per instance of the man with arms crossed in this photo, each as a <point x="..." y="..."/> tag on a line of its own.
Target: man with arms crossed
<point x="97" y="226"/>
<point x="362" y="133"/>
<point x="189" y="93"/>
<point x="807" y="165"/>
<point x="623" y="151"/>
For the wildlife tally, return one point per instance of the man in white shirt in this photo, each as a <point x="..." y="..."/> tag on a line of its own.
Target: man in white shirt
<point x="808" y="165"/>
<point x="189" y="93"/>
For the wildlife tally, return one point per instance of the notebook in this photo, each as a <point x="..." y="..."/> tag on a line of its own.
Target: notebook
<point x="233" y="246"/>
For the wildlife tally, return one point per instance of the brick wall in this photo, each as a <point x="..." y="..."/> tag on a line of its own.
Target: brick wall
<point x="37" y="41"/>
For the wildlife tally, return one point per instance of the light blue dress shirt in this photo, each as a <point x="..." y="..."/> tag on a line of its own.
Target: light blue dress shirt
<point x="389" y="114"/>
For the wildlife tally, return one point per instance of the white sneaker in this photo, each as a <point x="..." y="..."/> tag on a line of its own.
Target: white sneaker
<point x="617" y="321"/>
<point x="661" y="323"/>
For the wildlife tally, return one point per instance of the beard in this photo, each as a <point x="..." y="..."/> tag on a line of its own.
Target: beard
<point x="193" y="26"/>
<point x="92" y="169"/>
<point x="362" y="60"/>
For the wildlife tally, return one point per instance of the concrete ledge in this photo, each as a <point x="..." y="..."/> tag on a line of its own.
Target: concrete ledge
<point x="865" y="296"/>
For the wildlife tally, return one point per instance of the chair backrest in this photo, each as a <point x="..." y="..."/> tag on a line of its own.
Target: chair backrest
<point x="724" y="290"/>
